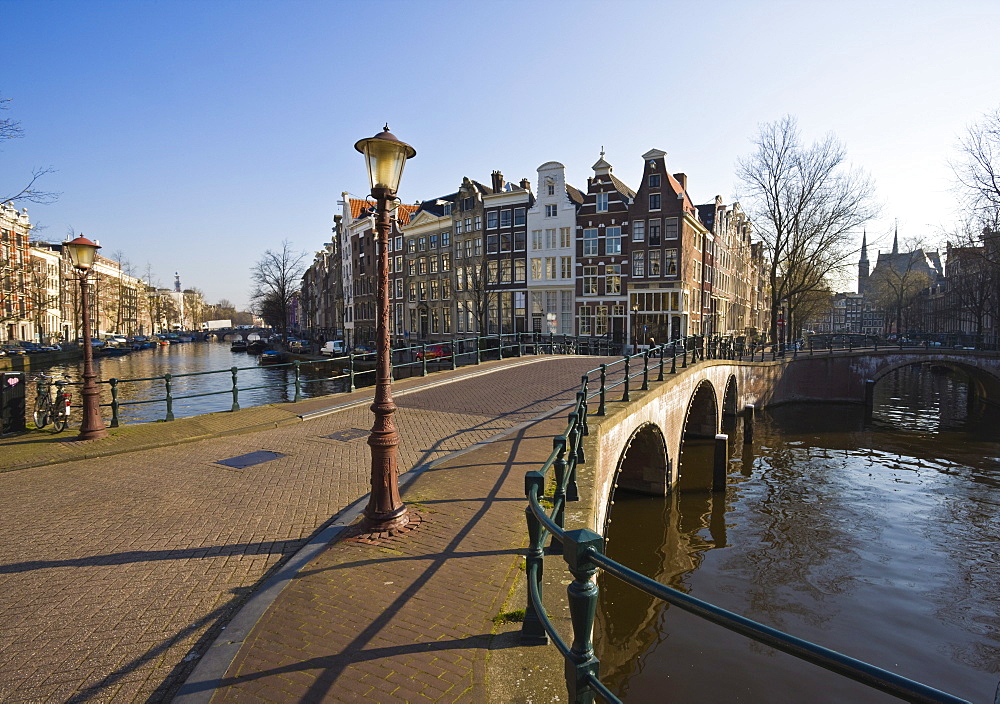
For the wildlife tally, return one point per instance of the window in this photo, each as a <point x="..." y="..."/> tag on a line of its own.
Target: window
<point x="564" y="237"/>
<point x="654" y="262"/>
<point x="639" y="263"/>
<point x="413" y="292"/>
<point x="411" y="266"/>
<point x="613" y="279"/>
<point x="670" y="262"/>
<point x="536" y="239"/>
<point x="447" y="208"/>
<point x="602" y="202"/>
<point x="422" y="244"/>
<point x="654" y="233"/>
<point x="590" y="281"/>
<point x="590" y="242"/>
<point x="505" y="218"/>
<point x="432" y="265"/>
<point x="491" y="220"/>
<point x="492" y="270"/>
<point x="671" y="229"/>
<point x="446" y="239"/>
<point x="602" y="321"/>
<point x="390" y="265"/>
<point x="435" y="289"/>
<point x="536" y="269"/>
<point x="505" y="241"/>
<point x="432" y="242"/>
<point x="550" y="268"/>
<point x="458" y="227"/>
<point x="550" y="238"/>
<point x="468" y="224"/>
<point x="399" y="263"/>
<point x="654" y="201"/>
<point x="519" y="241"/>
<point x="520" y="270"/>
<point x="399" y="289"/>
<point x="565" y="267"/>
<point x="445" y="289"/>
<point x="468" y="203"/>
<point x="399" y="243"/>
<point x="411" y="246"/>
<point x="446" y="261"/>
<point x="586" y="320"/>
<point x="506" y="268"/>
<point x="479" y="222"/>
<point x="519" y="216"/>
<point x="654" y="180"/>
<point x="550" y="189"/>
<point x="638" y="230"/>
<point x="551" y="211"/>
<point x="613" y="241"/>
<point x="422" y="266"/>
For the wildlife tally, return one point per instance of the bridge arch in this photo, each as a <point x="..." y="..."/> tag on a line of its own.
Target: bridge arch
<point x="982" y="383"/>
<point x="730" y="399"/>
<point x="701" y="424"/>
<point x="644" y="464"/>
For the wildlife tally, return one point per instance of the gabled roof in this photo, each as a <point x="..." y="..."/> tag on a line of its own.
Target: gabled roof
<point x="620" y="185"/>
<point x="575" y="194"/>
<point x="707" y="214"/>
<point x="360" y="208"/>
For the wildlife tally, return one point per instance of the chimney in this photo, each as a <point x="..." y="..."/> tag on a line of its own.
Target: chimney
<point x="525" y="184"/>
<point x="497" y="181"/>
<point x="683" y="180"/>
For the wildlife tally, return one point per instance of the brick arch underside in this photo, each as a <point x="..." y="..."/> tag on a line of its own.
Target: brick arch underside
<point x="644" y="466"/>
<point x="702" y="420"/>
<point x="730" y="403"/>
<point x="985" y="383"/>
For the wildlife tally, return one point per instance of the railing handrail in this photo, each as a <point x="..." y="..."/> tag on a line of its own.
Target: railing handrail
<point x="583" y="551"/>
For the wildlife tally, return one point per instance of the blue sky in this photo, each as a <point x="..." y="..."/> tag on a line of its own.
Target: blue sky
<point x="193" y="136"/>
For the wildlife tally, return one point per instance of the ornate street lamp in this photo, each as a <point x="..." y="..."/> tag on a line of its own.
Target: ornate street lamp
<point x="635" y="329"/>
<point x="385" y="156"/>
<point x="81" y="253"/>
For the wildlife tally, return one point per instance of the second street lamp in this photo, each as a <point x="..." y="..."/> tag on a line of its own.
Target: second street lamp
<point x="385" y="156"/>
<point x="82" y="253"/>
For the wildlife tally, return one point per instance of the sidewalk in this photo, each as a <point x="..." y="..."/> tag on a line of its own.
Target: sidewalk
<point x="118" y="572"/>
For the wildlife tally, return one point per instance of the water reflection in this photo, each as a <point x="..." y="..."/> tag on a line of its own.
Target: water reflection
<point x="211" y="392"/>
<point x="880" y="541"/>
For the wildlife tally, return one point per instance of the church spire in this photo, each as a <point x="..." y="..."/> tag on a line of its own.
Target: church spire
<point x="863" y="264"/>
<point x="895" y="240"/>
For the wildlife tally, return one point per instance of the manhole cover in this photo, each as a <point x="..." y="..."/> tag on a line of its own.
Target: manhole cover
<point x="250" y="459"/>
<point x="349" y="434"/>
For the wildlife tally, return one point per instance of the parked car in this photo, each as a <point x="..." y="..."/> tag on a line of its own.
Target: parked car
<point x="31" y="347"/>
<point x="14" y="350"/>
<point x="333" y="347"/>
<point x="435" y="352"/>
<point x="363" y="349"/>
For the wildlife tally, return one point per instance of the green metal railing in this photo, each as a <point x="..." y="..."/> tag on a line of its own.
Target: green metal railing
<point x="583" y="549"/>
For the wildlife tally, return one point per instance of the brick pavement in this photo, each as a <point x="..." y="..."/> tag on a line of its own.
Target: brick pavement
<point x="116" y="572"/>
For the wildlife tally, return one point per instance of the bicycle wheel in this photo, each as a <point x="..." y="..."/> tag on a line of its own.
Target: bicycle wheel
<point x="60" y="416"/>
<point x="41" y="414"/>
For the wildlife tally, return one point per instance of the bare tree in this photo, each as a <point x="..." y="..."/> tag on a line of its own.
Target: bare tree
<point x="806" y="204"/>
<point x="977" y="170"/>
<point x="30" y="193"/>
<point x="275" y="278"/>
<point x="897" y="285"/>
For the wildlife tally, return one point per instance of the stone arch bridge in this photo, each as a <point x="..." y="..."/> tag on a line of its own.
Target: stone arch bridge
<point x="639" y="444"/>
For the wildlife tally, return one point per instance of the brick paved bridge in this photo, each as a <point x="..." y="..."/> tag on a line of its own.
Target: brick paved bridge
<point x="126" y="562"/>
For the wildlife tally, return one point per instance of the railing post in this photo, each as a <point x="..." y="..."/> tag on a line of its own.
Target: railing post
<point x="673" y="357"/>
<point x="114" y="402"/>
<point x="170" y="399"/>
<point x="582" y="592"/>
<point x="298" y="382"/>
<point x="236" y="391"/>
<point x="479" y="349"/>
<point x="520" y="344"/>
<point x="685" y="359"/>
<point x="645" y="371"/>
<point x="350" y="371"/>
<point x="552" y="342"/>
<point x="602" y="408"/>
<point x="581" y="403"/>
<point x="576" y="440"/>
<point x="720" y="462"/>
<point x="532" y="631"/>
<point x="454" y="352"/>
<point x="662" y="349"/>
<point x="559" y="497"/>
<point x="625" y="394"/>
<point x="423" y="359"/>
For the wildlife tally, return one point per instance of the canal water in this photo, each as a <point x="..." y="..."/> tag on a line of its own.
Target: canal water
<point x="144" y="401"/>
<point x="879" y="540"/>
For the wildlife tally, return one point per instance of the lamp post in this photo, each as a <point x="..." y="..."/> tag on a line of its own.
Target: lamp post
<point x="385" y="156"/>
<point x="635" y="330"/>
<point x="81" y="253"/>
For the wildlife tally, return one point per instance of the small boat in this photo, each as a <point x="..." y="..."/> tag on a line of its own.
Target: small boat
<point x="269" y="357"/>
<point x="256" y="346"/>
<point x="238" y="346"/>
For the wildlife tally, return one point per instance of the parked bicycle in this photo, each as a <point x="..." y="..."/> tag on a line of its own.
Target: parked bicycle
<point x="52" y="408"/>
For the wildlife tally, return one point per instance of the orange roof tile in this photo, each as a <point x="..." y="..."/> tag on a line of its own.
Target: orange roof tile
<point x="403" y="211"/>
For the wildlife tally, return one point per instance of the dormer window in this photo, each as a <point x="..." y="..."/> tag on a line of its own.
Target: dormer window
<point x="447" y="208"/>
<point x="551" y="189"/>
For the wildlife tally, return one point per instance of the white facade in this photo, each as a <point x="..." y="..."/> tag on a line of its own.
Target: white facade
<point x="551" y="229"/>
